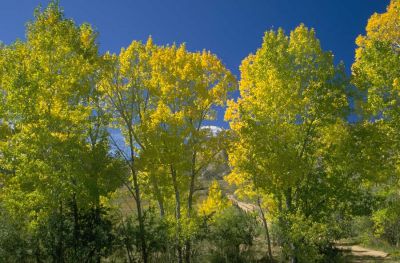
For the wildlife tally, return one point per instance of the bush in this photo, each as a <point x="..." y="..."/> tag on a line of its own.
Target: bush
<point x="14" y="245"/>
<point x="157" y="237"/>
<point x="231" y="232"/>
<point x="305" y="239"/>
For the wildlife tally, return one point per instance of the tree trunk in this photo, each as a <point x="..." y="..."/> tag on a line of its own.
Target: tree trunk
<point x="177" y="213"/>
<point x="140" y="217"/>
<point x="190" y="204"/>
<point x="76" y="225"/>
<point x="37" y="251"/>
<point x="128" y="252"/>
<point x="142" y="232"/>
<point x="59" y="255"/>
<point x="188" y="252"/>
<point x="192" y="181"/>
<point x="97" y="223"/>
<point x="266" y="230"/>
<point x="161" y="207"/>
<point x="288" y="196"/>
<point x="158" y="195"/>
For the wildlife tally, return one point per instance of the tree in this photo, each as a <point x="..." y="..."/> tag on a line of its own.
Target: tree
<point x="377" y="59"/>
<point x="190" y="87"/>
<point x="129" y="100"/>
<point x="215" y="200"/>
<point x="160" y="97"/>
<point x="56" y="134"/>
<point x="376" y="75"/>
<point x="291" y="94"/>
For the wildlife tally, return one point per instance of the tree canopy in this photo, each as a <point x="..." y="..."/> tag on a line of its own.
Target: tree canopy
<point x="115" y="157"/>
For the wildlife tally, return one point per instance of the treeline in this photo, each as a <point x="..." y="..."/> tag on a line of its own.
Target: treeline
<point x="310" y="172"/>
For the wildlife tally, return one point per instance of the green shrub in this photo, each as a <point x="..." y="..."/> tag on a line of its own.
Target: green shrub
<point x="231" y="232"/>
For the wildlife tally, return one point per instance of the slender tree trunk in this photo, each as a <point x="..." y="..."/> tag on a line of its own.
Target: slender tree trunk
<point x="140" y="217"/>
<point x="288" y="196"/>
<point x="37" y="251"/>
<point x="142" y="232"/>
<point x="266" y="229"/>
<point x="161" y="207"/>
<point x="158" y="195"/>
<point x="97" y="223"/>
<point x="177" y="213"/>
<point x="60" y="243"/>
<point x="76" y="225"/>
<point x="192" y="181"/>
<point x="190" y="203"/>
<point x="188" y="251"/>
<point x="279" y="240"/>
<point x="128" y="252"/>
<point x="128" y="245"/>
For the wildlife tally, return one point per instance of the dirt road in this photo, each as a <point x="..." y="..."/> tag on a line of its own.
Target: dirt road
<point x="359" y="254"/>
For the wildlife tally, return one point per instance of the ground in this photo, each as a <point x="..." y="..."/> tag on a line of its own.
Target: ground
<point x="354" y="253"/>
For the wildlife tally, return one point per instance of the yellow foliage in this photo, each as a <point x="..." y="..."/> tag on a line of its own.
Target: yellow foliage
<point x="377" y="61"/>
<point x="287" y="90"/>
<point x="215" y="201"/>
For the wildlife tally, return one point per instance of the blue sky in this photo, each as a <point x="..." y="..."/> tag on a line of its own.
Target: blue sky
<point x="230" y="28"/>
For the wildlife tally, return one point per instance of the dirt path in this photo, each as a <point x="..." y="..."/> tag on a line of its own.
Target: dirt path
<point x="352" y="253"/>
<point x="359" y="254"/>
<point x="246" y="207"/>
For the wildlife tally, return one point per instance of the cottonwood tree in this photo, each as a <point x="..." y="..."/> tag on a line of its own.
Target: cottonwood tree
<point x="56" y="136"/>
<point x="376" y="74"/>
<point x="291" y="93"/>
<point x="190" y="87"/>
<point x="161" y="97"/>
<point x="128" y="98"/>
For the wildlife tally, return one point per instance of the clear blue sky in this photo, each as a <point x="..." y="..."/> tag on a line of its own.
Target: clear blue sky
<point x="230" y="28"/>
